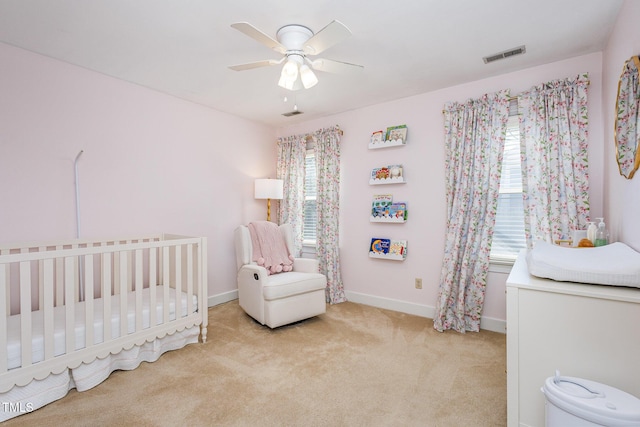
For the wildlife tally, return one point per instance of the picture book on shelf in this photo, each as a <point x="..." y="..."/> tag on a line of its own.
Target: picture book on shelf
<point x="387" y="172"/>
<point x="384" y="208"/>
<point x="398" y="248"/>
<point x="398" y="210"/>
<point x="377" y="137"/>
<point x="381" y="205"/>
<point x="395" y="171"/>
<point x="396" y="133"/>
<point x="379" y="246"/>
<point x="380" y="173"/>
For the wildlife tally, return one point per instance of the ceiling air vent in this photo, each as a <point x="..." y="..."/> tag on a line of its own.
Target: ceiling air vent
<point x="292" y="113"/>
<point x="506" y="54"/>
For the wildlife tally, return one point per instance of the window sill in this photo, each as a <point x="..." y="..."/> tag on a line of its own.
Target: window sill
<point x="501" y="265"/>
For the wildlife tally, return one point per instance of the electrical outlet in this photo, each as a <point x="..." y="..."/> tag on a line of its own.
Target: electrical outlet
<point x="418" y="283"/>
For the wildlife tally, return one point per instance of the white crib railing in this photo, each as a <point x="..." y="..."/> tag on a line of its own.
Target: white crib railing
<point x="45" y="279"/>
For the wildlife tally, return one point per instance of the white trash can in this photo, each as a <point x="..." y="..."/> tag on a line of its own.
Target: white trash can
<point x="573" y="402"/>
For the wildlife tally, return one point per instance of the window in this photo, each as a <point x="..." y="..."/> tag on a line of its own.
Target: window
<point x="310" y="191"/>
<point x="508" y="234"/>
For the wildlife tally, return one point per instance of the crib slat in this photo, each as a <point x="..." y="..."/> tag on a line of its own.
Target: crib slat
<point x="6" y="276"/>
<point x="106" y="296"/>
<point x="178" y="262"/>
<point x="165" y="288"/>
<point x="76" y="283"/>
<point x="69" y="302"/>
<point x="4" y="315"/>
<point x="25" y="251"/>
<point x="189" y="279"/>
<point x="130" y="269"/>
<point x="88" y="301"/>
<point x="41" y="278"/>
<point x="25" y="313"/>
<point x="153" y="280"/>
<point x="123" y="293"/>
<point x="116" y="273"/>
<point x="138" y="289"/>
<point x="59" y="287"/>
<point x="48" y="303"/>
<point x="160" y="266"/>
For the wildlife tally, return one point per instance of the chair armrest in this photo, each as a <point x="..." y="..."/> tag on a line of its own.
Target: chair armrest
<point x="306" y="265"/>
<point x="251" y="280"/>
<point x="252" y="274"/>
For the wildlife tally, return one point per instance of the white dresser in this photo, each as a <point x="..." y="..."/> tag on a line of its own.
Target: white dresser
<point x="584" y="331"/>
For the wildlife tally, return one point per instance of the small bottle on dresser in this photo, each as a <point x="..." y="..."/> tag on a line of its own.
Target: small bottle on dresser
<point x="602" y="237"/>
<point x="591" y="232"/>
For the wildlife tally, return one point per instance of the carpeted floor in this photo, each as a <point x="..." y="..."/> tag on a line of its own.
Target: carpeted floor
<point x="353" y="366"/>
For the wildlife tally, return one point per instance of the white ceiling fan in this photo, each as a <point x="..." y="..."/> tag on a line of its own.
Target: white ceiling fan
<point x="296" y="43"/>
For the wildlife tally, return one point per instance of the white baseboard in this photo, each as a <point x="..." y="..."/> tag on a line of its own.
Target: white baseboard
<point x="391" y="304"/>
<point x="492" y="324"/>
<point x="222" y="298"/>
<point x="486" y="323"/>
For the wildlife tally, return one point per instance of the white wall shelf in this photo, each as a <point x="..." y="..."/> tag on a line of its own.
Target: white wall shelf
<point x="387" y="144"/>
<point x="387" y="220"/>
<point x="383" y="248"/>
<point x="390" y="174"/>
<point x="387" y="256"/>
<point x="395" y="136"/>
<point x="383" y="181"/>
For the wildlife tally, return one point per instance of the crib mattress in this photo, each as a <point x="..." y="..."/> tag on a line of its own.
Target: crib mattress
<point x="616" y="264"/>
<point x="14" y="348"/>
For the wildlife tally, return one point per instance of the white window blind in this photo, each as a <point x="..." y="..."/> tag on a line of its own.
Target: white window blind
<point x="310" y="207"/>
<point x="508" y="234"/>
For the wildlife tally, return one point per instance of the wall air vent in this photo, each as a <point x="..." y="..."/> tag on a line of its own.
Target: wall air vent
<point x="506" y="54"/>
<point x="292" y="113"/>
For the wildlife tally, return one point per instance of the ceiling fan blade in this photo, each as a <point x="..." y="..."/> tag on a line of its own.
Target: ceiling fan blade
<point x="257" y="64"/>
<point x="329" y="36"/>
<point x="259" y="36"/>
<point x="337" y="67"/>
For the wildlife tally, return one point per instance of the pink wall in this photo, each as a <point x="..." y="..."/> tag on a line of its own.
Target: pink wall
<point x="622" y="196"/>
<point x="151" y="162"/>
<point x="391" y="283"/>
<point x="155" y="163"/>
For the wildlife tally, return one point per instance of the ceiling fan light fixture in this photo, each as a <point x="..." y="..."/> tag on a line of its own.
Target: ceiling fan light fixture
<point x="282" y="82"/>
<point x="290" y="70"/>
<point x="289" y="84"/>
<point x="291" y="73"/>
<point x="308" y="77"/>
<point x="295" y="42"/>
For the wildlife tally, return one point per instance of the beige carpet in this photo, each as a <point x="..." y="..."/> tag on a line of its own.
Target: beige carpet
<point x="354" y="366"/>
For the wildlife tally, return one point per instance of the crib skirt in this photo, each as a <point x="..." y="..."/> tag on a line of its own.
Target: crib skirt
<point x="38" y="393"/>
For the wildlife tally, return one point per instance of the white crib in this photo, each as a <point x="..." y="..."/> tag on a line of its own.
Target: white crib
<point x="76" y="311"/>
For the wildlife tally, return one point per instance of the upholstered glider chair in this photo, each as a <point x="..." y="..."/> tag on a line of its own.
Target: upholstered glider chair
<point x="274" y="293"/>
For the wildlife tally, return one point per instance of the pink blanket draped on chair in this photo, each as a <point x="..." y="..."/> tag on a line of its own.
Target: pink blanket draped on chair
<point x="269" y="248"/>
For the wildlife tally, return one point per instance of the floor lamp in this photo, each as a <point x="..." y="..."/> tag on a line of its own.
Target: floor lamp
<point x="269" y="189"/>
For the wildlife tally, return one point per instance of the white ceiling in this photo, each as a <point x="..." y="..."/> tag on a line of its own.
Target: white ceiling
<point x="183" y="47"/>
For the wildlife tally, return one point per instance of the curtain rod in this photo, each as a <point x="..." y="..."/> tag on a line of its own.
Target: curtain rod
<point x="310" y="134"/>
<point x="510" y="99"/>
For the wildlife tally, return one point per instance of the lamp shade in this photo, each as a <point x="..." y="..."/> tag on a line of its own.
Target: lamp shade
<point x="307" y="76"/>
<point x="269" y="189"/>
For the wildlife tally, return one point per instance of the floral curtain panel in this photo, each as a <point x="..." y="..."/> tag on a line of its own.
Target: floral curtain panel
<point x="290" y="168"/>
<point x="553" y="133"/>
<point x="327" y="149"/>
<point x="474" y="136"/>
